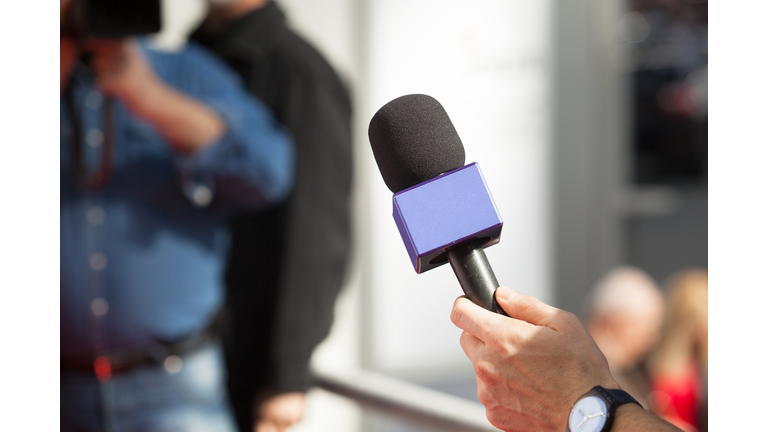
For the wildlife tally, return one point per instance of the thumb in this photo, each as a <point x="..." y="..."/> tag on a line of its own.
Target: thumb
<point x="265" y="426"/>
<point x="526" y="308"/>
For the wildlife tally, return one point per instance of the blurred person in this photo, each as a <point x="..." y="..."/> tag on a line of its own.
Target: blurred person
<point x="533" y="366"/>
<point x="678" y="366"/>
<point x="157" y="150"/>
<point x="287" y="264"/>
<point x="624" y="314"/>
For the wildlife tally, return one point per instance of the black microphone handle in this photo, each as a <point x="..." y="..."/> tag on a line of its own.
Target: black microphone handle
<point x="475" y="275"/>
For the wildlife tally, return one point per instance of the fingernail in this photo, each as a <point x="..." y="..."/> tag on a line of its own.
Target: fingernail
<point x="505" y="293"/>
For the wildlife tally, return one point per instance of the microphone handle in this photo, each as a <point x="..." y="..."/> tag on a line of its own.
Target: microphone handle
<point x="475" y="275"/>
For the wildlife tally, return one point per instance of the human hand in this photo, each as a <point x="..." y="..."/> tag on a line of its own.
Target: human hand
<point x="530" y="367"/>
<point x="277" y="413"/>
<point x="69" y="51"/>
<point x="123" y="72"/>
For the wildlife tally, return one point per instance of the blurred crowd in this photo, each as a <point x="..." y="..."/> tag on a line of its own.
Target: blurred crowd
<point x="655" y="340"/>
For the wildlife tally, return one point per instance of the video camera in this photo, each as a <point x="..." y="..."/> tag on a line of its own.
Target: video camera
<point x="104" y="19"/>
<point x="113" y="19"/>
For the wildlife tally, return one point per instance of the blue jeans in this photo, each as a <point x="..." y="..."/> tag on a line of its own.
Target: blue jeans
<point x="151" y="399"/>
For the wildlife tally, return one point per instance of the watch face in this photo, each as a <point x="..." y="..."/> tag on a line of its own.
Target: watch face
<point x="588" y="415"/>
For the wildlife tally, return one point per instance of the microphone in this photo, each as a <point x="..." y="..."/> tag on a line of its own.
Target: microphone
<point x="442" y="208"/>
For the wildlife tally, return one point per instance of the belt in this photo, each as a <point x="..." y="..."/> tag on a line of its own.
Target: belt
<point x="108" y="364"/>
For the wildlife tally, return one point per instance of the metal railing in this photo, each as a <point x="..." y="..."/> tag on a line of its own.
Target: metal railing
<point x="405" y="400"/>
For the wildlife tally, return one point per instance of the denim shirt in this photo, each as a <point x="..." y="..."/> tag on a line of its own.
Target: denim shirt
<point x="142" y="257"/>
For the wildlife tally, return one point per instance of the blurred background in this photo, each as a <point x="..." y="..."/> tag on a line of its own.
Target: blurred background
<point x="589" y="120"/>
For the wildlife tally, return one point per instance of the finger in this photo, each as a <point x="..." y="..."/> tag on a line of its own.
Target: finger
<point x="285" y="419"/>
<point x="114" y="61"/>
<point x="102" y="47"/>
<point x="283" y="424"/>
<point x="483" y="395"/>
<point x="471" y="345"/>
<point x="526" y="308"/>
<point x="265" y="426"/>
<point x="474" y="319"/>
<point x="101" y="69"/>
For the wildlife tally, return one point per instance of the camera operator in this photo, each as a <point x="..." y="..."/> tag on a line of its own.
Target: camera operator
<point x="533" y="367"/>
<point x="158" y="150"/>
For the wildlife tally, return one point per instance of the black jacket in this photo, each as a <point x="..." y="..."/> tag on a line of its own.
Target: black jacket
<point x="287" y="265"/>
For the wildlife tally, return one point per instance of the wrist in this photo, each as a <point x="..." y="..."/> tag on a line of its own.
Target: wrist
<point x="187" y="124"/>
<point x="147" y="99"/>
<point x="609" y="383"/>
<point x="627" y="415"/>
<point x="606" y="382"/>
<point x="596" y="410"/>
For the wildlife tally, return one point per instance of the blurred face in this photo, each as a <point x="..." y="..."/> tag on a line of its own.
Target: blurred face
<point x="640" y="333"/>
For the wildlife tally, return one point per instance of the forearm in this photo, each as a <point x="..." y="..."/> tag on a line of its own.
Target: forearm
<point x="633" y="418"/>
<point x="67" y="60"/>
<point x="188" y="124"/>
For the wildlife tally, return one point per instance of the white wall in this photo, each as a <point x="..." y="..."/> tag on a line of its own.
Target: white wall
<point x="487" y="62"/>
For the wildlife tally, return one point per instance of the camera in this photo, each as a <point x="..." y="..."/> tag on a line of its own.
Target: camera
<point x="113" y="19"/>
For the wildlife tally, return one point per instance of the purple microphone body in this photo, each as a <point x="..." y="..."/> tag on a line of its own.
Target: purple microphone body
<point x="443" y="209"/>
<point x="440" y="213"/>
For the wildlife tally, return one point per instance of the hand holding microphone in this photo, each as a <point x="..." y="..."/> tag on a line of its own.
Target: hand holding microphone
<point x="531" y="366"/>
<point x="442" y="208"/>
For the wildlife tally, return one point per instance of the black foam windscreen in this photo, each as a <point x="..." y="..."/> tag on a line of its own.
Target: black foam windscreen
<point x="413" y="140"/>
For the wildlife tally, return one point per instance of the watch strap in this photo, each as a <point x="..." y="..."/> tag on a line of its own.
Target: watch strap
<point x="615" y="397"/>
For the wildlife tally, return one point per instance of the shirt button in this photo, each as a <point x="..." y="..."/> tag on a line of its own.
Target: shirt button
<point x="172" y="364"/>
<point x="94" y="138"/>
<point x="99" y="307"/>
<point x="98" y="261"/>
<point x="202" y="195"/>
<point x="96" y="215"/>
<point x="93" y="100"/>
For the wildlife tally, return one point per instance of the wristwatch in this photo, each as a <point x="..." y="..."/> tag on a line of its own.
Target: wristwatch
<point x="595" y="410"/>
